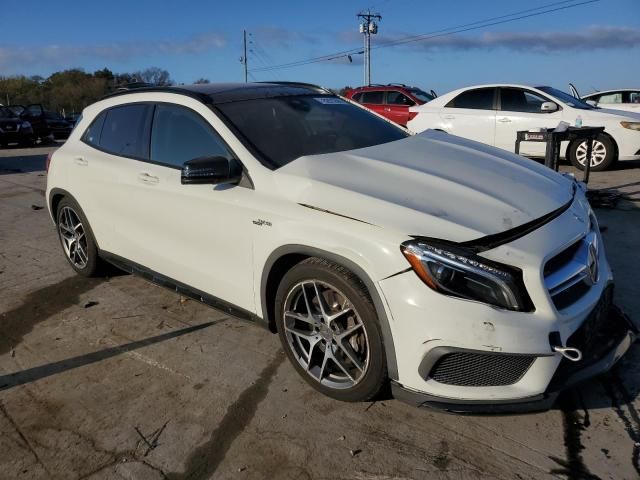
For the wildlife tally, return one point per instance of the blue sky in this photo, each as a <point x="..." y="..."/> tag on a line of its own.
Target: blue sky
<point x="595" y="45"/>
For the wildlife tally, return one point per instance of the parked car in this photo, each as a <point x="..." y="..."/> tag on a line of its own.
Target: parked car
<point x="60" y="127"/>
<point x="625" y="99"/>
<point x="492" y="114"/>
<point x="72" y="118"/>
<point x="392" y="101"/>
<point x="33" y="115"/>
<point x="470" y="277"/>
<point x="13" y="129"/>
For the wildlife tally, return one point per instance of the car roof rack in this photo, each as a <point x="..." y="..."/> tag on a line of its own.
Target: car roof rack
<point x="298" y="84"/>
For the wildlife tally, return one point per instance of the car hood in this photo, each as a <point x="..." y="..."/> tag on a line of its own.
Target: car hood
<point x="433" y="184"/>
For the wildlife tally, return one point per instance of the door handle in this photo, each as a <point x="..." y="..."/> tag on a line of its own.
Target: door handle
<point x="449" y="117"/>
<point x="149" y="179"/>
<point x="387" y="109"/>
<point x="504" y="120"/>
<point x="81" y="161"/>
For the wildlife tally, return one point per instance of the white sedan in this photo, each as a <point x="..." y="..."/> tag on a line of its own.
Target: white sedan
<point x="492" y="114"/>
<point x="622" y="99"/>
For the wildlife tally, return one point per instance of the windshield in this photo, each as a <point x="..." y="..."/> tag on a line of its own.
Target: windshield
<point x="566" y="98"/>
<point x="285" y="128"/>
<point x="6" y="113"/>
<point x="419" y="94"/>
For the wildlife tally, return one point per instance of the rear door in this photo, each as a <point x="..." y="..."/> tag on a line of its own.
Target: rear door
<point x="519" y="109"/>
<point x="471" y="114"/>
<point x="397" y="107"/>
<point x="103" y="171"/>
<point x="374" y="100"/>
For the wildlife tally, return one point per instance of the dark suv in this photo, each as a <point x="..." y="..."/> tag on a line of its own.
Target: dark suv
<point x="391" y="101"/>
<point x="13" y="129"/>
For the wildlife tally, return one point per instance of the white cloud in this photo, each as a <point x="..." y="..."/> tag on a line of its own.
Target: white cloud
<point x="15" y="59"/>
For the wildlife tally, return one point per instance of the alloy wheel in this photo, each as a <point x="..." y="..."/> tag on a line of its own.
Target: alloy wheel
<point x="73" y="236"/>
<point x="598" y="154"/>
<point x="326" y="334"/>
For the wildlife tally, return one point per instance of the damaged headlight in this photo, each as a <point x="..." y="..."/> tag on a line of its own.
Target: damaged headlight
<point x="461" y="273"/>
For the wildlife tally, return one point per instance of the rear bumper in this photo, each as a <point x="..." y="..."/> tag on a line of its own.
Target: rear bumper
<point x="606" y="347"/>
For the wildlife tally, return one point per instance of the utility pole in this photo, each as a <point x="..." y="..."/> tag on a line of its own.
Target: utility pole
<point x="368" y="27"/>
<point x="243" y="59"/>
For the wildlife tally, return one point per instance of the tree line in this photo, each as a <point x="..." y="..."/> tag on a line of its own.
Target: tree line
<point x="71" y="90"/>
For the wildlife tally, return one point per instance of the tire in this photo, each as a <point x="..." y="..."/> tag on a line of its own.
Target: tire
<point x="74" y="231"/>
<point x="341" y="356"/>
<point x="602" y="158"/>
<point x="30" y="142"/>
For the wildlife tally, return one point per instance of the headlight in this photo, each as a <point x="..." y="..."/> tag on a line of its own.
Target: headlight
<point x="458" y="272"/>
<point x="631" y="125"/>
<point x="25" y="125"/>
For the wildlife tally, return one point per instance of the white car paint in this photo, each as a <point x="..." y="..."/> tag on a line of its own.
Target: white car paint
<point x="615" y="99"/>
<point x="365" y="203"/>
<point x="479" y="125"/>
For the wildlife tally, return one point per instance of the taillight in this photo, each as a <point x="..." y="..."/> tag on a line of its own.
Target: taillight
<point x="48" y="161"/>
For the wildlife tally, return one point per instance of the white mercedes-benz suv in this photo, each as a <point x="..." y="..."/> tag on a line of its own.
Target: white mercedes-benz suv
<point x="469" y="277"/>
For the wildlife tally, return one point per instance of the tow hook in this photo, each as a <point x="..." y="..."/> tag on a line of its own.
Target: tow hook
<point x="569" y="353"/>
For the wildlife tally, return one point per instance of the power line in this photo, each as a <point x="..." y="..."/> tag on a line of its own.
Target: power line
<point x="438" y="33"/>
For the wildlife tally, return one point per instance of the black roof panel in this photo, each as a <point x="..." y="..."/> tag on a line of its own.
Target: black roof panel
<point x="216" y="93"/>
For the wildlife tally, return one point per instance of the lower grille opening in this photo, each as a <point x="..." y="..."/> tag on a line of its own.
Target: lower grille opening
<point x="480" y="369"/>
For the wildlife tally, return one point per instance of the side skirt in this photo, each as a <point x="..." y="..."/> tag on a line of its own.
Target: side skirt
<point x="183" y="289"/>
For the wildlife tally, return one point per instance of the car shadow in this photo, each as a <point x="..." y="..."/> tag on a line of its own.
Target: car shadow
<point x="23" y="163"/>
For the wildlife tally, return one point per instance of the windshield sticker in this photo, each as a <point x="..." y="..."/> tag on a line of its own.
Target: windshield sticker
<point x="330" y="101"/>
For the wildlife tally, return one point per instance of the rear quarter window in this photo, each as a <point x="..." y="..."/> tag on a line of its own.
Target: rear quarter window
<point x="91" y="135"/>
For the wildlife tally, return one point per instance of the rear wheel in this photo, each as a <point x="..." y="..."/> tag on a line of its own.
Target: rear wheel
<point x="329" y="329"/>
<point x="602" y="155"/>
<point x="77" y="239"/>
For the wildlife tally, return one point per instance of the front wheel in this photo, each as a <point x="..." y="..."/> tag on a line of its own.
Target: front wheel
<point x="329" y="329"/>
<point x="602" y="155"/>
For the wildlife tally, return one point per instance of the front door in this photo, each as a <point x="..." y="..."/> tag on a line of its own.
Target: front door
<point x="519" y="109"/>
<point x="397" y="107"/>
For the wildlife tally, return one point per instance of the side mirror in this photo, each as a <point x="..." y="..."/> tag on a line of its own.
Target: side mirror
<point x="548" y="107"/>
<point x="211" y="170"/>
<point x="593" y="103"/>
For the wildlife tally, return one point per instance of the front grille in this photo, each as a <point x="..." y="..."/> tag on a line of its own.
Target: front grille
<point x="603" y="329"/>
<point x="569" y="275"/>
<point x="480" y="369"/>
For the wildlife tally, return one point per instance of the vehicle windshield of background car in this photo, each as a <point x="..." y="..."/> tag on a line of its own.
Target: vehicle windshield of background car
<point x="419" y="94"/>
<point x="6" y="113"/>
<point x="282" y="129"/>
<point x="566" y="98"/>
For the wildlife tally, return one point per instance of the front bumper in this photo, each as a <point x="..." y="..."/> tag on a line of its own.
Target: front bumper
<point x="607" y="343"/>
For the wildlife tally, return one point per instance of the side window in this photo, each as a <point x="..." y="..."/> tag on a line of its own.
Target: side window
<point x="180" y="134"/>
<point x="634" y="97"/>
<point x="609" y="98"/>
<point x="126" y="131"/>
<point x="375" y="98"/>
<point x="518" y="100"/>
<point x="479" y="99"/>
<point x="91" y="135"/>
<point x="357" y="97"/>
<point x="398" y="98"/>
